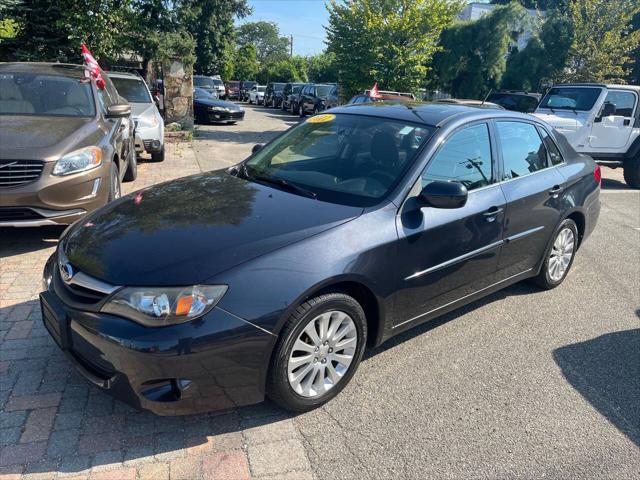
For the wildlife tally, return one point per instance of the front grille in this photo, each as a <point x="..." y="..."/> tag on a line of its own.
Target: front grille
<point x="13" y="214"/>
<point x="147" y="144"/>
<point x="19" y="172"/>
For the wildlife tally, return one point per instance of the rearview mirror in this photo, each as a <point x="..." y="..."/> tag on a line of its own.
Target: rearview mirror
<point x="256" y="147"/>
<point x="439" y="194"/>
<point x="119" y="110"/>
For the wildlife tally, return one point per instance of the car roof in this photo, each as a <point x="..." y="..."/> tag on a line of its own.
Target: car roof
<point x="45" y="68"/>
<point x="433" y="114"/>
<point x="635" y="88"/>
<point x="133" y="76"/>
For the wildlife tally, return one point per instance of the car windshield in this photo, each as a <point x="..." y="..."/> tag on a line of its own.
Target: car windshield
<point x="200" y="93"/>
<point x="324" y="90"/>
<point x="296" y="88"/>
<point x="278" y="87"/>
<point x="340" y="158"/>
<point x="51" y="95"/>
<point x="571" y="98"/>
<point x="217" y="82"/>
<point x="233" y="84"/>
<point x="518" y="103"/>
<point x="261" y="89"/>
<point x="133" y="89"/>
<point x="206" y="82"/>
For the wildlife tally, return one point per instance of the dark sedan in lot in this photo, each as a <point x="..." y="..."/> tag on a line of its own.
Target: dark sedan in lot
<point x="273" y="276"/>
<point x="208" y="108"/>
<point x="65" y="144"/>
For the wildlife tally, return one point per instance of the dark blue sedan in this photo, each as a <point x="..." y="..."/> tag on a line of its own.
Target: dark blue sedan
<point x="272" y="277"/>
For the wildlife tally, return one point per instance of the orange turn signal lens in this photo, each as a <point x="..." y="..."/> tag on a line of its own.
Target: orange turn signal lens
<point x="183" y="305"/>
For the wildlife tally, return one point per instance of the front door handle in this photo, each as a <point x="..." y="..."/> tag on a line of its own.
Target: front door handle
<point x="490" y="215"/>
<point x="555" y="191"/>
<point x="627" y="122"/>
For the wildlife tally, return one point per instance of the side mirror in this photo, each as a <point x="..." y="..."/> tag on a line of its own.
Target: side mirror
<point x="440" y="194"/>
<point x="119" y="110"/>
<point x="257" y="147"/>
<point x="608" y="109"/>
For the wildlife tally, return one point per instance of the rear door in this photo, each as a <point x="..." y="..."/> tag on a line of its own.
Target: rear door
<point x="532" y="187"/>
<point x="613" y="132"/>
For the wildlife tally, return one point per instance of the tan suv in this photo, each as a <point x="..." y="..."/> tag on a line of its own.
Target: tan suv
<point x="65" y="145"/>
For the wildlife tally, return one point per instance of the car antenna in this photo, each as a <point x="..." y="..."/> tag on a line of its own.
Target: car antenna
<point x="487" y="96"/>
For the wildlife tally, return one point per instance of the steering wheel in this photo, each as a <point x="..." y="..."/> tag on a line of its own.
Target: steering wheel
<point x="382" y="176"/>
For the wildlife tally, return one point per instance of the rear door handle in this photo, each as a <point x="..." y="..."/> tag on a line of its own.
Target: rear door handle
<point x="490" y="215"/>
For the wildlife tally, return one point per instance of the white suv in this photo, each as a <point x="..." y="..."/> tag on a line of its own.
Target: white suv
<point x="602" y="121"/>
<point x="149" y="122"/>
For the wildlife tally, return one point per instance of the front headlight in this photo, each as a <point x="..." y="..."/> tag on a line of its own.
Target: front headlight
<point x="161" y="306"/>
<point x="218" y="109"/>
<point x="148" y="122"/>
<point x="78" y="161"/>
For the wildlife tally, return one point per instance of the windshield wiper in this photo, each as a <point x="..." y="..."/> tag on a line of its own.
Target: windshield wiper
<point x="282" y="183"/>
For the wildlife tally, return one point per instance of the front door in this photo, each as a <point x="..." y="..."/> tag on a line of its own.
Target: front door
<point x="614" y="131"/>
<point x="533" y="188"/>
<point x="445" y="255"/>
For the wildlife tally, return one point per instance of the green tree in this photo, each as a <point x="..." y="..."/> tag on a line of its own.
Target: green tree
<point x="210" y="22"/>
<point x="245" y="65"/>
<point x="603" y="39"/>
<point x="537" y="4"/>
<point x="388" y="41"/>
<point x="265" y="37"/>
<point x="322" y="67"/>
<point x="284" y="70"/>
<point x="544" y="57"/>
<point x="634" y="75"/>
<point x="473" y="56"/>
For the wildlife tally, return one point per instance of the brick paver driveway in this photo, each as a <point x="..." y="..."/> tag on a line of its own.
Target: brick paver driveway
<point x="524" y="384"/>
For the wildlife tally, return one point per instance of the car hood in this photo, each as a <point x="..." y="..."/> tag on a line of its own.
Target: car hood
<point x="42" y="137"/>
<point x="186" y="231"/>
<point x="571" y="124"/>
<point x="142" y="110"/>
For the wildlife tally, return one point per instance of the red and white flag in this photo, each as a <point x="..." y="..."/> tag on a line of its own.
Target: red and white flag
<point x="92" y="66"/>
<point x="373" y="93"/>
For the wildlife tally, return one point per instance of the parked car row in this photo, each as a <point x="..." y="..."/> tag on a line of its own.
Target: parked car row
<point x="298" y="98"/>
<point x="66" y="144"/>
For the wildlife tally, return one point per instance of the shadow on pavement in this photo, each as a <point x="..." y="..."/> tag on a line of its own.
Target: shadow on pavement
<point x="613" y="184"/>
<point x="16" y="241"/>
<point x="606" y="372"/>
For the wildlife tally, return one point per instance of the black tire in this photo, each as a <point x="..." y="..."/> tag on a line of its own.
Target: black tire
<point x="632" y="172"/>
<point x="315" y="110"/>
<point x="294" y="108"/>
<point x="132" y="168"/>
<point x="114" y="182"/>
<point x="278" y="388"/>
<point x="283" y="106"/>
<point x="301" y="110"/>
<point x="543" y="279"/>
<point x="158" y="156"/>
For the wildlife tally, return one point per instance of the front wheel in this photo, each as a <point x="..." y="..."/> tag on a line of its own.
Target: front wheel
<point x="559" y="256"/>
<point x="632" y="172"/>
<point x="158" y="156"/>
<point x="114" y="183"/>
<point x="132" y="168"/>
<point x="320" y="349"/>
<point x="301" y="110"/>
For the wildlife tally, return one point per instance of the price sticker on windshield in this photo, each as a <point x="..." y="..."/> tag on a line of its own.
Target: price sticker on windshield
<point x="325" y="117"/>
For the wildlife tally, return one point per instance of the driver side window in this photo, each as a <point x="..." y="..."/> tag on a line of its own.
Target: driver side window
<point x="465" y="157"/>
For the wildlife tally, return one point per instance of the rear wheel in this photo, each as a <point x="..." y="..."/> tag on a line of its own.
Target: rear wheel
<point x="301" y="110"/>
<point x="559" y="256"/>
<point x="632" y="172"/>
<point x="320" y="349"/>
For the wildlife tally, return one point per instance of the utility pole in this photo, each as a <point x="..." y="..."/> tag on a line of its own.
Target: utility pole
<point x="291" y="46"/>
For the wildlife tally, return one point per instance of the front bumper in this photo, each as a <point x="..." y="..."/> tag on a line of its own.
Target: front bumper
<point x="216" y="362"/>
<point x="53" y="200"/>
<point x="149" y="139"/>
<point x="220" y="116"/>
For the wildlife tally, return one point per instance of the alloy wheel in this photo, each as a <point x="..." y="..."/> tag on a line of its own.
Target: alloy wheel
<point x="322" y="354"/>
<point x="561" y="254"/>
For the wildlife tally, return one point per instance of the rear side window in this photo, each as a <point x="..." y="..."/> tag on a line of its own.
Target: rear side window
<point x="623" y="101"/>
<point x="552" y="149"/>
<point x="522" y="149"/>
<point x="465" y="157"/>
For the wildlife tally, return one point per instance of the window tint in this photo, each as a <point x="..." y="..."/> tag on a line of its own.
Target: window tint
<point x="623" y="101"/>
<point x="554" y="154"/>
<point x="522" y="149"/>
<point x="465" y="157"/>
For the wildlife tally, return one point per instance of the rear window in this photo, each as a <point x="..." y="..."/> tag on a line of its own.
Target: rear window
<point x="571" y="98"/>
<point x="517" y="103"/>
<point x="50" y="95"/>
